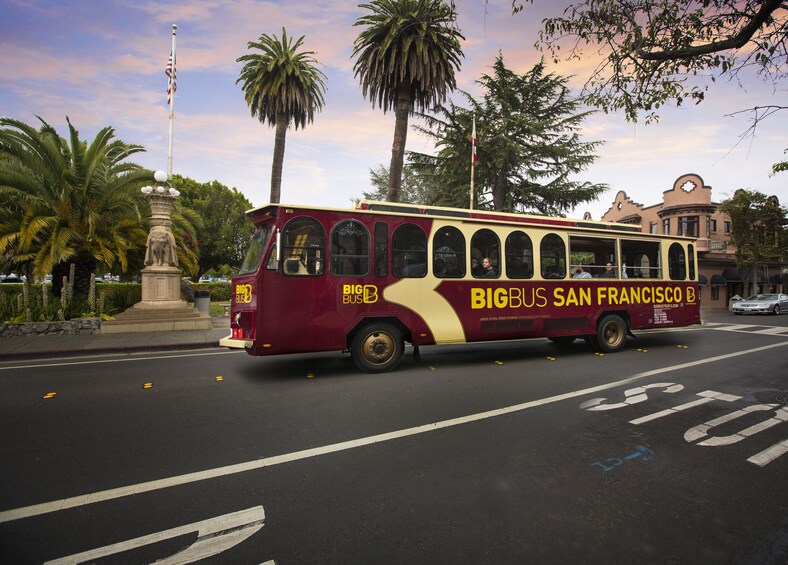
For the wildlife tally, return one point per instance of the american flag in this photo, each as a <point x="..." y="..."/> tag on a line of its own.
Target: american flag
<point x="170" y="72"/>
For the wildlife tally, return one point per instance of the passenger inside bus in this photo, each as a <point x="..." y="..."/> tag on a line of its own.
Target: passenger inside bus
<point x="581" y="273"/>
<point x="476" y="269"/>
<point x="488" y="269"/>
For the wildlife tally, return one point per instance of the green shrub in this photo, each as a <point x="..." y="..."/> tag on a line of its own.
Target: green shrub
<point x="220" y="291"/>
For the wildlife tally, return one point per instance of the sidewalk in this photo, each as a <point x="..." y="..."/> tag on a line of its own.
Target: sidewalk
<point x="34" y="347"/>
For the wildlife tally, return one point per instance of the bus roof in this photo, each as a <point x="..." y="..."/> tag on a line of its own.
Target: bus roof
<point x="403" y="209"/>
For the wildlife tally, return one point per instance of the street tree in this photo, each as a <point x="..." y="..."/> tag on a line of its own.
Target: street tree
<point x="652" y="53"/>
<point x="225" y="231"/>
<point x="414" y="188"/>
<point x="281" y="85"/>
<point x="758" y="230"/>
<point x="406" y="58"/>
<point x="528" y="146"/>
<point x="74" y="202"/>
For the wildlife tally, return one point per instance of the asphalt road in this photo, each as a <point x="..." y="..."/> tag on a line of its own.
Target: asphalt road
<point x="671" y="451"/>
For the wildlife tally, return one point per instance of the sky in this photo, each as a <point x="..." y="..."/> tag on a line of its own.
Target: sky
<point x="101" y="62"/>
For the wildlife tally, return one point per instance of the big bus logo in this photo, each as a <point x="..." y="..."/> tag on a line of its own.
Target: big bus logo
<point x="243" y="294"/>
<point x="359" y="294"/>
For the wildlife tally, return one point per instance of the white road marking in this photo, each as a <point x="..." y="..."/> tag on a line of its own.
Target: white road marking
<point x="214" y="536"/>
<point x="706" y="397"/>
<point x="702" y="431"/>
<point x="123" y="360"/>
<point x="750" y="329"/>
<point x="768" y="455"/>
<point x="773" y="330"/>
<point x="111" y="494"/>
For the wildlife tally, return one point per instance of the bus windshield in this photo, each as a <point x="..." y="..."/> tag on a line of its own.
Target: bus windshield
<point x="254" y="252"/>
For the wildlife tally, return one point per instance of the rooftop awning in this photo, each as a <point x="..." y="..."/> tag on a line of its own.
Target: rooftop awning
<point x="702" y="279"/>
<point x="718" y="280"/>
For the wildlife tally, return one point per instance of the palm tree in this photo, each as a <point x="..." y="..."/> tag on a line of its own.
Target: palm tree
<point x="77" y="203"/>
<point x="280" y="86"/>
<point x="406" y="60"/>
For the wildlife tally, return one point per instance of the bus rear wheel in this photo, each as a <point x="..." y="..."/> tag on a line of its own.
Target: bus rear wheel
<point x="611" y="333"/>
<point x="377" y="347"/>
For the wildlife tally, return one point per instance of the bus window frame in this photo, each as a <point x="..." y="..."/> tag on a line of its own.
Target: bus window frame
<point x="305" y="249"/>
<point x="459" y="255"/>
<point x="528" y="272"/>
<point x="562" y="266"/>
<point x="361" y="256"/>
<point x="397" y="253"/>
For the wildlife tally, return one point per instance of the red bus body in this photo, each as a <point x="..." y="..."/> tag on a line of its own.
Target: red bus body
<point x="276" y="312"/>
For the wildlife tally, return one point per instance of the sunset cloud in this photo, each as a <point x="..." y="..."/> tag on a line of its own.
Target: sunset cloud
<point x="102" y="63"/>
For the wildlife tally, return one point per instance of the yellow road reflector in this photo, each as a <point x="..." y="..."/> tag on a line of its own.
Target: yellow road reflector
<point x="599" y="354"/>
<point x="551" y="358"/>
<point x="431" y="368"/>
<point x="147" y="385"/>
<point x="49" y="395"/>
<point x="642" y="350"/>
<point x="682" y="346"/>
<point x="310" y="375"/>
<point x="220" y="378"/>
<point x="499" y="362"/>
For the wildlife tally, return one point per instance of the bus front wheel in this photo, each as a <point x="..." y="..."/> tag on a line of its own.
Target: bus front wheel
<point x="611" y="333"/>
<point x="377" y="347"/>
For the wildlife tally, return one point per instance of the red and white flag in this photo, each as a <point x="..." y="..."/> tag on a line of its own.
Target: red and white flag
<point x="170" y="72"/>
<point x="473" y="141"/>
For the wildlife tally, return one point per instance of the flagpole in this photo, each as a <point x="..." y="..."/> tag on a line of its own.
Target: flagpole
<point x="172" y="104"/>
<point x="473" y="158"/>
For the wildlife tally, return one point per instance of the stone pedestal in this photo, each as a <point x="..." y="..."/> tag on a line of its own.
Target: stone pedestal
<point x="161" y="308"/>
<point x="161" y="287"/>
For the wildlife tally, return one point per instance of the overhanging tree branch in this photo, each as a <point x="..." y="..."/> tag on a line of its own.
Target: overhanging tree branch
<point x="736" y="42"/>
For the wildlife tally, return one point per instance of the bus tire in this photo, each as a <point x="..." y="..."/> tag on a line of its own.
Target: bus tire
<point x="611" y="333"/>
<point x="591" y="342"/>
<point x="377" y="347"/>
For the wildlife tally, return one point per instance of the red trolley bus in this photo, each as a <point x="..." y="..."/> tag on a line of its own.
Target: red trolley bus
<point x="370" y="279"/>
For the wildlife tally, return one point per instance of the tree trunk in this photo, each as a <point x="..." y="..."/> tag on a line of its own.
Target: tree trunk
<point x="401" y="113"/>
<point x="279" y="157"/>
<point x="84" y="266"/>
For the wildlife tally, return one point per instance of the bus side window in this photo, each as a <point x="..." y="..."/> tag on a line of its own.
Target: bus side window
<point x="677" y="266"/>
<point x="519" y="256"/>
<point x="381" y="249"/>
<point x="691" y="258"/>
<point x="486" y="245"/>
<point x="448" y="249"/>
<point x="303" y="247"/>
<point x="409" y="251"/>
<point x="592" y="255"/>
<point x="349" y="249"/>
<point x="641" y="258"/>
<point x="553" y="257"/>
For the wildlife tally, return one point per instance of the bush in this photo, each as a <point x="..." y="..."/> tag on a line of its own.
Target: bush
<point x="120" y="296"/>
<point x="220" y="291"/>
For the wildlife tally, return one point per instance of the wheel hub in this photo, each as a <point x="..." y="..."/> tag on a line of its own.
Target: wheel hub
<point x="378" y="348"/>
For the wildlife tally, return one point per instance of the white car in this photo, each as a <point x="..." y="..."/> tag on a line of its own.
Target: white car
<point x="762" y="304"/>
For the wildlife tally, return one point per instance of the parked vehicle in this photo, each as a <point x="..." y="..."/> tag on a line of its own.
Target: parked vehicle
<point x="762" y="304"/>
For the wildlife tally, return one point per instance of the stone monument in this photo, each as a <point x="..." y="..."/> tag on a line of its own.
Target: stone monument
<point x="161" y="307"/>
